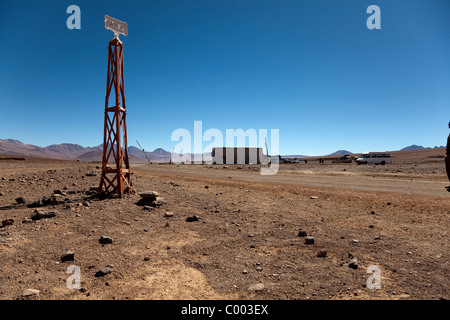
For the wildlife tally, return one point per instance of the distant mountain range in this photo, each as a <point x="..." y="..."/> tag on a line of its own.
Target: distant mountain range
<point x="416" y="147"/>
<point x="69" y="151"/>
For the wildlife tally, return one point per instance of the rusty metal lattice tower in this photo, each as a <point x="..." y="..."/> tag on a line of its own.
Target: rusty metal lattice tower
<point x="116" y="178"/>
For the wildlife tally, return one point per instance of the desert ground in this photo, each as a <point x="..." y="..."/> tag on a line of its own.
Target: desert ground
<point x="244" y="242"/>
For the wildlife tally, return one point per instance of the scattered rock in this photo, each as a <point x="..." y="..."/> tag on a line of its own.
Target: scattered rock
<point x="103" y="272"/>
<point x="40" y="214"/>
<point x="309" y="240"/>
<point x="7" y="222"/>
<point x="168" y="214"/>
<point x="256" y="287"/>
<point x="68" y="256"/>
<point x="322" y="253"/>
<point x="105" y="240"/>
<point x="314" y="197"/>
<point x="353" y="263"/>
<point x="192" y="218"/>
<point x="302" y="233"/>
<point x="59" y="192"/>
<point x="149" y="194"/>
<point x="30" y="293"/>
<point x="35" y="204"/>
<point x="355" y="241"/>
<point x="21" y="200"/>
<point x="148" y="200"/>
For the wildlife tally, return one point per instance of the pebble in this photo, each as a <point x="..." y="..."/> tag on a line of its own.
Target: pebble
<point x="309" y="240"/>
<point x="256" y="287"/>
<point x="21" y="200"/>
<point x="192" y="218"/>
<point x="30" y="293"/>
<point x="7" y="222"/>
<point x="168" y="214"/>
<point x="103" y="272"/>
<point x="149" y="194"/>
<point x="302" y="233"/>
<point x="353" y="263"/>
<point x="40" y="214"/>
<point x="322" y="253"/>
<point x="105" y="240"/>
<point x="68" y="256"/>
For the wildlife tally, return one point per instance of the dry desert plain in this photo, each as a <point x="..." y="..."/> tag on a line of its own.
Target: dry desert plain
<point x="245" y="243"/>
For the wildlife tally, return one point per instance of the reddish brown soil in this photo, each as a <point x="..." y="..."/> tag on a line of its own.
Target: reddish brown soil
<point x="247" y="233"/>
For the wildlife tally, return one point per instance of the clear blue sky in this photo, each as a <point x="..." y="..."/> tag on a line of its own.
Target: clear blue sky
<point x="311" y="69"/>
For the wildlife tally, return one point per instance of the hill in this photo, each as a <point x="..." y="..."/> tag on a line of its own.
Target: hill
<point x="340" y="153"/>
<point x="412" y="147"/>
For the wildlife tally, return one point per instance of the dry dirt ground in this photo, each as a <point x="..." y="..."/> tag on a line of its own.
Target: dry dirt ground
<point x="247" y="232"/>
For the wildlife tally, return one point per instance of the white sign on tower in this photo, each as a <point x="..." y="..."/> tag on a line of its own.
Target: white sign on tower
<point x="116" y="26"/>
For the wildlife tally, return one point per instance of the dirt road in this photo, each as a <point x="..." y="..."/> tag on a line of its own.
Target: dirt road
<point x="363" y="181"/>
